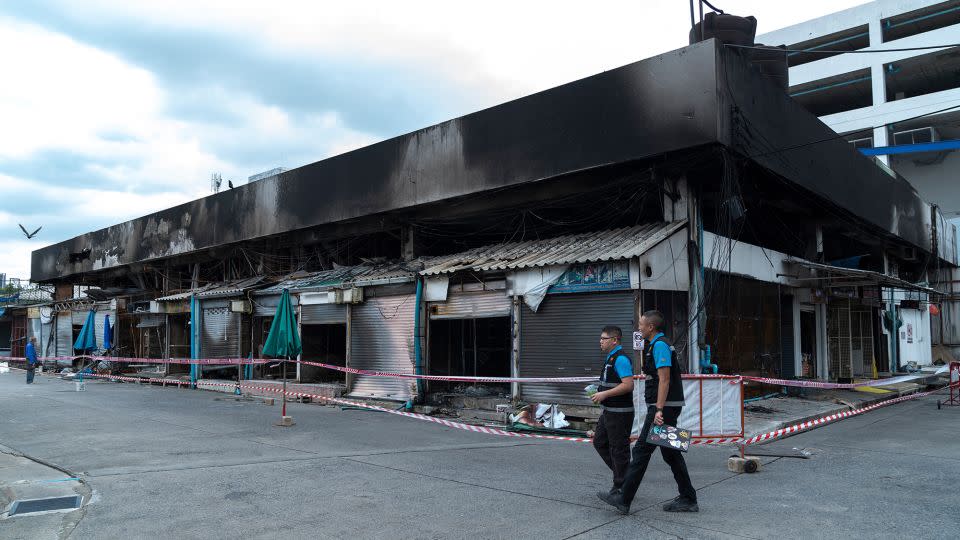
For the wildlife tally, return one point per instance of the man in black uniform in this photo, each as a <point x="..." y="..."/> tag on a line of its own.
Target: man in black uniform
<point x="615" y="397"/>
<point x="663" y="391"/>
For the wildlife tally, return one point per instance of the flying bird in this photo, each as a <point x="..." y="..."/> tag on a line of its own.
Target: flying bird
<point x="230" y="183"/>
<point x="29" y="235"/>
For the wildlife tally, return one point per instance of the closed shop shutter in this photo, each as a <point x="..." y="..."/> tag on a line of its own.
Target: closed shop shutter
<point x="323" y="314"/>
<point x="381" y="338"/>
<point x="562" y="339"/>
<point x="472" y="305"/>
<point x="219" y="333"/>
<point x="64" y="326"/>
<point x="99" y="320"/>
<point x="48" y="341"/>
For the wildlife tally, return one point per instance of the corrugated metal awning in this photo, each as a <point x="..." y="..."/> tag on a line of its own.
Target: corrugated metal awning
<point x="348" y="276"/>
<point x="214" y="290"/>
<point x="597" y="246"/>
<point x="854" y="276"/>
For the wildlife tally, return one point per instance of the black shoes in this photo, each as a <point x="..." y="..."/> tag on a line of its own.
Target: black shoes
<point x="681" y="504"/>
<point x="615" y="500"/>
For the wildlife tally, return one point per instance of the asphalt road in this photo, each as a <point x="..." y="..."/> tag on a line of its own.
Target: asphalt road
<point x="177" y="463"/>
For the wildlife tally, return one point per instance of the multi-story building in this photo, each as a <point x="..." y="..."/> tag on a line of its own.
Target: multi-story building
<point x="901" y="106"/>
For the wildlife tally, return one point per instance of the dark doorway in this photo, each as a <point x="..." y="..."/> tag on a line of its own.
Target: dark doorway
<point x="5" y="333"/>
<point x="808" y="344"/>
<point x="324" y="344"/>
<point x="470" y="347"/>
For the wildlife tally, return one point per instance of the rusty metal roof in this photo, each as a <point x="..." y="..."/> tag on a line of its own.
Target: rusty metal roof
<point x="214" y="290"/>
<point x="346" y="276"/>
<point x="606" y="245"/>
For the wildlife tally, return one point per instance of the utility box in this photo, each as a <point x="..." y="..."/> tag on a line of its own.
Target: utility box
<point x="241" y="306"/>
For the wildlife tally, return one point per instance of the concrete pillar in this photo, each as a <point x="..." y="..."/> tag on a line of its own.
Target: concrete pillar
<point x="879" y="87"/>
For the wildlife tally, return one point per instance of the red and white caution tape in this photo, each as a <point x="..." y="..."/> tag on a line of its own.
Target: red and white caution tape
<point x="838" y="386"/>
<point x="802" y="426"/>
<point x="765" y="437"/>
<point x="734" y="379"/>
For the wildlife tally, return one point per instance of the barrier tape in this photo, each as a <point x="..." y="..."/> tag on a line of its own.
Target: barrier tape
<point x="764" y="437"/>
<point x="457" y="378"/>
<point x="441" y="421"/>
<point x="802" y="426"/>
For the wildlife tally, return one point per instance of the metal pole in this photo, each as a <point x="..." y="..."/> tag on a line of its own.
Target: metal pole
<point x="701" y="20"/>
<point x="283" y="409"/>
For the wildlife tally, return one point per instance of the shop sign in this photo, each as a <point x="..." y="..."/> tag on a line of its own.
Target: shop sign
<point x="605" y="276"/>
<point x="843" y="292"/>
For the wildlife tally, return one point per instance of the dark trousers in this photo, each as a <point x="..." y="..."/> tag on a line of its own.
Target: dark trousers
<point x="642" y="451"/>
<point x="30" y="372"/>
<point x="612" y="441"/>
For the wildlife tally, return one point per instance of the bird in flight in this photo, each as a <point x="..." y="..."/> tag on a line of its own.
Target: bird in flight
<point x="29" y="235"/>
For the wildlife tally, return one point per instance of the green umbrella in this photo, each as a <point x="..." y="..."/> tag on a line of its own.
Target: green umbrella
<point x="283" y="341"/>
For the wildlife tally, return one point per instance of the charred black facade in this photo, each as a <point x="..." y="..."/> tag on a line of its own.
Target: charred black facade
<point x="690" y="102"/>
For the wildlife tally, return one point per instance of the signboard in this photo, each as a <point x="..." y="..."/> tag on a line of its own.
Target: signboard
<point x="843" y="292"/>
<point x="637" y="341"/>
<point x="605" y="276"/>
<point x="870" y="295"/>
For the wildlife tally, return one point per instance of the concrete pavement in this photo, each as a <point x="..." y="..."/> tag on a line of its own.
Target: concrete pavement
<point x="166" y="462"/>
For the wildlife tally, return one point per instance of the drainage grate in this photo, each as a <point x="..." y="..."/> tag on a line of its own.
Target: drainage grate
<point x="33" y="506"/>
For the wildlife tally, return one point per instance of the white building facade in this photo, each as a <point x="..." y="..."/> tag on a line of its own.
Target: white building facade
<point x="903" y="107"/>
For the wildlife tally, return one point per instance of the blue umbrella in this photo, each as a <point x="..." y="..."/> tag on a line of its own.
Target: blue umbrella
<point x="107" y="333"/>
<point x="87" y="340"/>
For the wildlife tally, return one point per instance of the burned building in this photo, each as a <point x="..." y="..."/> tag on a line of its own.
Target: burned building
<point x="500" y="242"/>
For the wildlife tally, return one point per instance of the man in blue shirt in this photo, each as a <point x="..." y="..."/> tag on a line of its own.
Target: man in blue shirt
<point x="615" y="397"/>
<point x="663" y="392"/>
<point x="32" y="362"/>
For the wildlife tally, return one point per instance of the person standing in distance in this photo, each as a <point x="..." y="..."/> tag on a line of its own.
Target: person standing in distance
<point x="663" y="392"/>
<point x="615" y="397"/>
<point x="31" y="354"/>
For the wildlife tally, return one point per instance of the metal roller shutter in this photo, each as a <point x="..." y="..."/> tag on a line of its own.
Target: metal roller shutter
<point x="64" y="329"/>
<point x="323" y="314"/>
<point x="562" y="339"/>
<point x="381" y="338"/>
<point x="48" y="343"/>
<point x="472" y="305"/>
<point x="219" y="333"/>
<point x="99" y="320"/>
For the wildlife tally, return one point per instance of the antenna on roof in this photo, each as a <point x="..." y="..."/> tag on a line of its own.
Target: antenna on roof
<point x="215" y="181"/>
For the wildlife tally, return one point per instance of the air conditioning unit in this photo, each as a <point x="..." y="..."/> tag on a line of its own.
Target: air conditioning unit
<point x="347" y="296"/>
<point x="916" y="136"/>
<point x="241" y="306"/>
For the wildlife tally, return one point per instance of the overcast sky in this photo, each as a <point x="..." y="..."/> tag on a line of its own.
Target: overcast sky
<point x="114" y="109"/>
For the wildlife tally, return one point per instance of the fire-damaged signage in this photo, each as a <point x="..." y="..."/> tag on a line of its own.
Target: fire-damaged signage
<point x="603" y="276"/>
